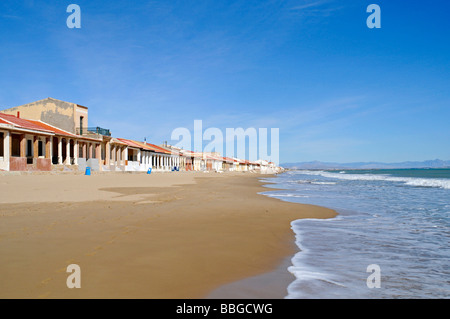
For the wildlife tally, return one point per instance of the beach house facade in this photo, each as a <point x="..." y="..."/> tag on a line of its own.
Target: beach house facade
<point x="63" y="128"/>
<point x="51" y="134"/>
<point x="33" y="145"/>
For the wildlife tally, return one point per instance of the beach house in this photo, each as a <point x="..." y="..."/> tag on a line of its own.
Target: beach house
<point x="51" y="134"/>
<point x="24" y="145"/>
<point x="63" y="128"/>
<point x="33" y="145"/>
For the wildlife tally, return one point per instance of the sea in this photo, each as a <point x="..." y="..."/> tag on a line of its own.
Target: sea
<point x="390" y="238"/>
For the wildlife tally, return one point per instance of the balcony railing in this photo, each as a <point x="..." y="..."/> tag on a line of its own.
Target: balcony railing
<point x="93" y="130"/>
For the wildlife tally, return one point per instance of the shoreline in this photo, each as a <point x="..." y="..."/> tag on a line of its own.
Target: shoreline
<point x="142" y="236"/>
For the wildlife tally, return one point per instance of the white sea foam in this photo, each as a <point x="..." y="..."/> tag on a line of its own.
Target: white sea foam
<point x="313" y="182"/>
<point x="304" y="273"/>
<point x="382" y="223"/>
<point x="324" y="183"/>
<point x="411" y="181"/>
<point x="287" y="195"/>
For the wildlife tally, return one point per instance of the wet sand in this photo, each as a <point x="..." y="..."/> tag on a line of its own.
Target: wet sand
<point x="164" y="235"/>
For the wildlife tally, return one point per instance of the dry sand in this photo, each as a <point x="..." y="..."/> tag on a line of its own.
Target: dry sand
<point x="164" y="235"/>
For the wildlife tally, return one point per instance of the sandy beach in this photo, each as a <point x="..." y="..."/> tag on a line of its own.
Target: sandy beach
<point x="163" y="235"/>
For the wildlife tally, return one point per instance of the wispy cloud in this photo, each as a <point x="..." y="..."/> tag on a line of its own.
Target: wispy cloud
<point x="316" y="8"/>
<point x="309" y="5"/>
<point x="10" y="16"/>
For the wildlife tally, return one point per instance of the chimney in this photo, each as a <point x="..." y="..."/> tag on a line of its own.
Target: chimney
<point x="18" y="114"/>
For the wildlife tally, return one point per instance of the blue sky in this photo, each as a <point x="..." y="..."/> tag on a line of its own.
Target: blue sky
<point x="337" y="90"/>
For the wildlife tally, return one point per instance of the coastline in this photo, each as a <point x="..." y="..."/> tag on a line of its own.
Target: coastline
<point x="142" y="236"/>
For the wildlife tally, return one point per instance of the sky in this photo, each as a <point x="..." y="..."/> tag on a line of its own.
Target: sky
<point x="337" y="90"/>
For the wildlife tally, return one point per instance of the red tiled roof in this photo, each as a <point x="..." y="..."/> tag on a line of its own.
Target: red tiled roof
<point x="194" y="154"/>
<point x="145" y="146"/>
<point x="117" y="141"/>
<point x="53" y="129"/>
<point x="230" y="160"/>
<point x="157" y="148"/>
<point x="129" y="142"/>
<point x="215" y="158"/>
<point x="36" y="125"/>
<point x="22" y="123"/>
<point x="59" y="131"/>
<point x="239" y="161"/>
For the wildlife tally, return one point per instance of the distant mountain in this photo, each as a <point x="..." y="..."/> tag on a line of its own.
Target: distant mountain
<point x="437" y="163"/>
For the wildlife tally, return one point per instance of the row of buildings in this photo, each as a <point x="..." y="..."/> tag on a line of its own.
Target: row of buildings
<point x="51" y="135"/>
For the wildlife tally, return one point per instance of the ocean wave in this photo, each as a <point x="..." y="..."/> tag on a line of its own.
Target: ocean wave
<point x="323" y="183"/>
<point x="287" y="195"/>
<point x="303" y="273"/>
<point x="314" y="182"/>
<point x="410" y="181"/>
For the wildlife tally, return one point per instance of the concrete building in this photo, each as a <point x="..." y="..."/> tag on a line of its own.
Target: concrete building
<point x="31" y="145"/>
<point x="143" y="155"/>
<point x="51" y="134"/>
<point x="70" y="117"/>
<point x="70" y="141"/>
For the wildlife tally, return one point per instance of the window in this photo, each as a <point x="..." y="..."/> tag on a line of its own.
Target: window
<point x="15" y="145"/>
<point x="29" y="153"/>
<point x="29" y="148"/>
<point x="40" y="148"/>
<point x="81" y="125"/>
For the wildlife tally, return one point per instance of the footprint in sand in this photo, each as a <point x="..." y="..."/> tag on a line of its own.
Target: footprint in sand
<point x="61" y="270"/>
<point x="44" y="295"/>
<point x="45" y="282"/>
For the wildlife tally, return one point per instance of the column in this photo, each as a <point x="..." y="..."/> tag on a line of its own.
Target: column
<point x="35" y="147"/>
<point x="60" y="159"/>
<point x="139" y="156"/>
<point x="22" y="145"/>
<point x="7" y="146"/>
<point x="67" y="152"/>
<point x="90" y="150"/>
<point x="107" y="153"/>
<point x="151" y="161"/>
<point x="84" y="150"/>
<point x="113" y="154"/>
<point x="47" y="147"/>
<point x="75" y="152"/>
<point x="98" y="152"/>
<point x="125" y="155"/>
